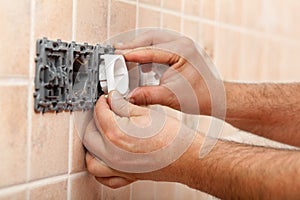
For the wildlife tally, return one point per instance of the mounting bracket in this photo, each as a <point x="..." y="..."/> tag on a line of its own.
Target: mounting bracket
<point x="67" y="75"/>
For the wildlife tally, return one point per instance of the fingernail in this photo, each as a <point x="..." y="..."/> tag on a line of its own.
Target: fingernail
<point x="115" y="95"/>
<point x="118" y="44"/>
<point x="131" y="93"/>
<point x="131" y="100"/>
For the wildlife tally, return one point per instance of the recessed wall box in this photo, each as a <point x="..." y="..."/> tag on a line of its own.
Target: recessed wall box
<point x="67" y="75"/>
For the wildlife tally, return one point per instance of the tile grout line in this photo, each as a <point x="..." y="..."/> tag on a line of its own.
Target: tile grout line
<point x="70" y="141"/>
<point x="15" y="81"/>
<point x="29" y="100"/>
<point x="130" y="192"/>
<point x="227" y="26"/>
<point x="181" y="16"/>
<point x="108" y="19"/>
<point x="161" y="15"/>
<point x="39" y="183"/>
<point x="216" y="30"/>
<point x="137" y="13"/>
<point x="74" y="18"/>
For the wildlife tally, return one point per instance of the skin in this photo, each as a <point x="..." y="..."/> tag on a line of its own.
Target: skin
<point x="230" y="170"/>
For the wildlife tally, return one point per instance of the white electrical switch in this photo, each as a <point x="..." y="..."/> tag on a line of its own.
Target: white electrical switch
<point x="113" y="75"/>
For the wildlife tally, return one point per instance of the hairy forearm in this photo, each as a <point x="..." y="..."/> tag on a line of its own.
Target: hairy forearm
<point x="237" y="171"/>
<point x="268" y="110"/>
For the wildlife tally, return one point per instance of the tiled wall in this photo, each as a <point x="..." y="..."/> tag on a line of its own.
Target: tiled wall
<point x="41" y="155"/>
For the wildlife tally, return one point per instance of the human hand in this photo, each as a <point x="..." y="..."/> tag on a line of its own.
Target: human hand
<point x="190" y="84"/>
<point x="135" y="142"/>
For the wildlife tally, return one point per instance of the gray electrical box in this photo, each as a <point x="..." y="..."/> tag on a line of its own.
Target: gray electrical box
<point x="67" y="75"/>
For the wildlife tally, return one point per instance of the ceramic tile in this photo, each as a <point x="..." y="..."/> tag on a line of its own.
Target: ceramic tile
<point x="171" y="22"/>
<point x="206" y="36"/>
<point x="273" y="56"/>
<point x="85" y="187"/>
<point x="207" y="9"/>
<point x="51" y="22"/>
<point x="204" y="196"/>
<point x="289" y="64"/>
<point x="49" y="144"/>
<point x="276" y="17"/>
<point x="21" y="195"/>
<point x="91" y="21"/>
<point x="190" y="29"/>
<point x="15" y="27"/>
<point x="174" y="5"/>
<point x="122" y="193"/>
<point x="165" y="190"/>
<point x="143" y="190"/>
<point x="290" y="15"/>
<point x="146" y="21"/>
<point x="50" y="191"/>
<point x="230" y="11"/>
<point x="122" y="17"/>
<point x="151" y="2"/>
<point x="13" y="134"/>
<point x="227" y="54"/>
<point x="78" y="153"/>
<point x="253" y="58"/>
<point x="184" y="192"/>
<point x="192" y="7"/>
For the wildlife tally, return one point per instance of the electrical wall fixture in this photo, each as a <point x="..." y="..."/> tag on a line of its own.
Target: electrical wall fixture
<point x="70" y="76"/>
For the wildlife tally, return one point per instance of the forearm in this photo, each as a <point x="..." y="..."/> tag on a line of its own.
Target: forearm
<point x="236" y="171"/>
<point x="268" y="110"/>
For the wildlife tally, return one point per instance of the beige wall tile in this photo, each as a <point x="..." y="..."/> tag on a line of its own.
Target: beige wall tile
<point x="276" y="17"/>
<point x="184" y="192"/>
<point x="230" y="11"/>
<point x="206" y="36"/>
<point x="50" y="191"/>
<point x="13" y="134"/>
<point x="290" y="15"/>
<point x="151" y="2"/>
<point x="273" y="56"/>
<point x="78" y="153"/>
<point x="49" y="150"/>
<point x="253" y="58"/>
<point x="254" y="16"/>
<point x="146" y="21"/>
<point x="171" y="22"/>
<point x="165" y="190"/>
<point x="207" y="9"/>
<point x="21" y="195"/>
<point x="202" y="195"/>
<point x="15" y="24"/>
<point x="91" y="21"/>
<point x="122" y="193"/>
<point x="289" y="65"/>
<point x="172" y="5"/>
<point x="228" y="53"/>
<point x="53" y="19"/>
<point x="85" y="187"/>
<point x="190" y="29"/>
<point x="123" y="17"/>
<point x="192" y="7"/>
<point x="143" y="190"/>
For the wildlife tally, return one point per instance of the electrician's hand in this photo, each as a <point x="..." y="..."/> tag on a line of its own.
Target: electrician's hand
<point x="188" y="83"/>
<point x="127" y="142"/>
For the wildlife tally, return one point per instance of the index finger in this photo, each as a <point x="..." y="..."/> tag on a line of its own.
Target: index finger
<point x="148" y="38"/>
<point x="150" y="54"/>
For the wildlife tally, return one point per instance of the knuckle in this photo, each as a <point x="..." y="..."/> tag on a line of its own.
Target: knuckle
<point x="91" y="165"/>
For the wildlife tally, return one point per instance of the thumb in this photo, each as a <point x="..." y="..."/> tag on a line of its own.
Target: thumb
<point x="120" y="106"/>
<point x="148" y="95"/>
